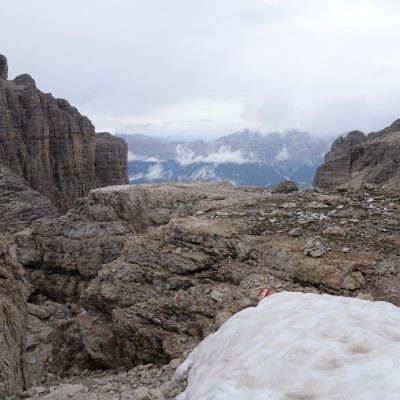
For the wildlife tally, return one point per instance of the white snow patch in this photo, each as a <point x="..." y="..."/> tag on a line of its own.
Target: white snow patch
<point x="300" y="346"/>
<point x="185" y="156"/>
<point x="283" y="155"/>
<point x="206" y="173"/>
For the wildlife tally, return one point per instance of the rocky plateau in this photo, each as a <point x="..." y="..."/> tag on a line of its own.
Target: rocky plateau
<point x="136" y="276"/>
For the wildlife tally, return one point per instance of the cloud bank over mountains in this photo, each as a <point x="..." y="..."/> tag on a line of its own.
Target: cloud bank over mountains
<point x="245" y="157"/>
<point x="223" y="155"/>
<point x="199" y="69"/>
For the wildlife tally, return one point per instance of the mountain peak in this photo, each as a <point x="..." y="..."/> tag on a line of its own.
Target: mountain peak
<point x="3" y="67"/>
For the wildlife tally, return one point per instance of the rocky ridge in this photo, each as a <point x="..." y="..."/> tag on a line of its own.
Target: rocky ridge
<point x="50" y="144"/>
<point x="137" y="275"/>
<point x="362" y="161"/>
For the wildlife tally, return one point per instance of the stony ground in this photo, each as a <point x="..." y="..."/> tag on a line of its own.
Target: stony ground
<point x="131" y="279"/>
<point x="145" y="382"/>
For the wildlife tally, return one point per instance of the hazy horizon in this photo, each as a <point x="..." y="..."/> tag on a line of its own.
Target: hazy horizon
<point x="185" y="138"/>
<point x="189" y="70"/>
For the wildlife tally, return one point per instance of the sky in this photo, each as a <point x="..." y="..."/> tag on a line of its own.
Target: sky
<point x="194" y="69"/>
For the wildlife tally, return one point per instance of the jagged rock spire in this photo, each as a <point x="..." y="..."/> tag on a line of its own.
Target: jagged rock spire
<point x="3" y="67"/>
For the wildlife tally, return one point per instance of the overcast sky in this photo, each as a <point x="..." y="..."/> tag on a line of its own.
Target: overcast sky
<point x="205" y="68"/>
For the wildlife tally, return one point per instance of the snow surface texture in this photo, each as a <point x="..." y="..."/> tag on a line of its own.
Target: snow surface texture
<point x="296" y="346"/>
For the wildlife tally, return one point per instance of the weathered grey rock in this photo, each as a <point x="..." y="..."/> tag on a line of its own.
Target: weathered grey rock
<point x="148" y="271"/>
<point x="49" y="143"/>
<point x="334" y="230"/>
<point x="19" y="204"/>
<point x="314" y="248"/>
<point x="286" y="186"/>
<point x="3" y="67"/>
<point x="111" y="161"/>
<point x="142" y="393"/>
<point x="296" y="232"/>
<point x="46" y="141"/>
<point x="358" y="160"/>
<point x="13" y="315"/>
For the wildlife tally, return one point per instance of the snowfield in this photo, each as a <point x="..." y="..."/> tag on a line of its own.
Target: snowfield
<point x="296" y="346"/>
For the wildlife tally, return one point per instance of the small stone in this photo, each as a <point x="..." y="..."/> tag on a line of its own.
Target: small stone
<point x="296" y="232"/>
<point x="38" y="311"/>
<point x="142" y="393"/>
<point x="215" y="295"/>
<point x="174" y="364"/>
<point x="178" y="250"/>
<point x="314" y="248"/>
<point x="288" y="205"/>
<point x="345" y="250"/>
<point x="334" y="230"/>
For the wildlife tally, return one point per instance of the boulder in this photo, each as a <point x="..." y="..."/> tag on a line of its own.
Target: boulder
<point x="286" y="186"/>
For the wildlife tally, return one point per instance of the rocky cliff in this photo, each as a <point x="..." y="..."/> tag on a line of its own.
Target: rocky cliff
<point x="13" y="319"/>
<point x="359" y="160"/>
<point x="50" y="144"/>
<point x="111" y="163"/>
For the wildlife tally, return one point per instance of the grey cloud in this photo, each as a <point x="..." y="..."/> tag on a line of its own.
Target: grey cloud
<point x="206" y="68"/>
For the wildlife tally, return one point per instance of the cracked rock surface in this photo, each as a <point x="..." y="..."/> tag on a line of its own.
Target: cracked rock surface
<point x="138" y="275"/>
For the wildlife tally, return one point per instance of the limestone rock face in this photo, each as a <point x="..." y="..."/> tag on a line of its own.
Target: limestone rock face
<point x="359" y="160"/>
<point x="20" y="205"/>
<point x="46" y="141"/>
<point x="13" y="317"/>
<point x="50" y="144"/>
<point x="111" y="161"/>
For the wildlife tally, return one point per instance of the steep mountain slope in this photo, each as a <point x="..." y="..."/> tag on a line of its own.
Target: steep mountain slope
<point x="244" y="158"/>
<point x="360" y="160"/>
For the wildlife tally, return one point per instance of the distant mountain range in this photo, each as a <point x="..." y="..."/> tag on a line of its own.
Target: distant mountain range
<point x="244" y="158"/>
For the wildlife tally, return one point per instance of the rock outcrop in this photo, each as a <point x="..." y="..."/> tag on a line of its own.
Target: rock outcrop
<point x="140" y="274"/>
<point x="3" y="67"/>
<point x="359" y="160"/>
<point x="13" y="314"/>
<point x="20" y="205"/>
<point x="111" y="162"/>
<point x="49" y="143"/>
<point x="286" y="186"/>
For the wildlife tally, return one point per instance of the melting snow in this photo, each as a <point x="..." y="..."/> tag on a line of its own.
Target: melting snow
<point x="296" y="346"/>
